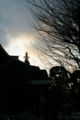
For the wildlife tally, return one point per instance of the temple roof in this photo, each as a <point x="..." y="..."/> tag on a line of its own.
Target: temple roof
<point x="37" y="76"/>
<point x="14" y="57"/>
<point x="4" y="56"/>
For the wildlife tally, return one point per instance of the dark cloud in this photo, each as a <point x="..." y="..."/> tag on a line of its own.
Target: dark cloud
<point x="14" y="18"/>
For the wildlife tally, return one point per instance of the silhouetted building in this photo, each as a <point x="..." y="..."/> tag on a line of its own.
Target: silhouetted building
<point x="14" y="57"/>
<point x="39" y="78"/>
<point x="5" y="57"/>
<point x="36" y="75"/>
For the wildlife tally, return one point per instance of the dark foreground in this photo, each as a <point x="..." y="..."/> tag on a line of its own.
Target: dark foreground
<point x="29" y="116"/>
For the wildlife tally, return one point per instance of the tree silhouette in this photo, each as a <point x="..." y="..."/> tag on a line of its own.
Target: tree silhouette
<point x="58" y="24"/>
<point x="60" y="77"/>
<point x="75" y="77"/>
<point x="75" y="85"/>
<point x="60" y="85"/>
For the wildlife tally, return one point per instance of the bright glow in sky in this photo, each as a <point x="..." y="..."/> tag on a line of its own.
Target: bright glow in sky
<point x="21" y="44"/>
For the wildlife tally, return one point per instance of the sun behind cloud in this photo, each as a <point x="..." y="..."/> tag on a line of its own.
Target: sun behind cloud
<point x="22" y="44"/>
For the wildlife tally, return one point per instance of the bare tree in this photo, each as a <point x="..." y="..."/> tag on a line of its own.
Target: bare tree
<point x="58" y="25"/>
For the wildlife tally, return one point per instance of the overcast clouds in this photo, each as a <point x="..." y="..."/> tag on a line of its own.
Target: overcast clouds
<point x="13" y="18"/>
<point x="15" y="32"/>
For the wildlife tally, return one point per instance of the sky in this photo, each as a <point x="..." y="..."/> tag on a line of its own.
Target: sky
<point x="16" y="34"/>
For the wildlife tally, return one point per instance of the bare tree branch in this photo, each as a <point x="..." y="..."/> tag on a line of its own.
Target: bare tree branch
<point x="58" y="25"/>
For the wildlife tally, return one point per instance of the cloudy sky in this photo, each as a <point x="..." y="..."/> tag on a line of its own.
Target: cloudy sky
<point x="16" y="35"/>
